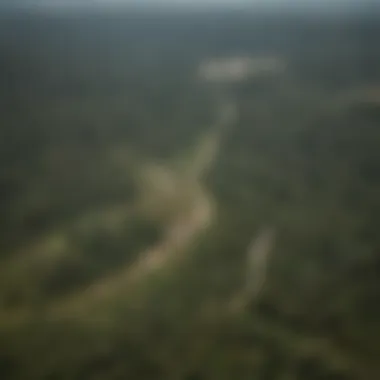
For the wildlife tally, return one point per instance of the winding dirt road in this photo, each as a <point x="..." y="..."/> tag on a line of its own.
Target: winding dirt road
<point x="180" y="232"/>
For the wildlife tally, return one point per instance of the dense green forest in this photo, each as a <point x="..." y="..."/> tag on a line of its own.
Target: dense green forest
<point x="107" y="144"/>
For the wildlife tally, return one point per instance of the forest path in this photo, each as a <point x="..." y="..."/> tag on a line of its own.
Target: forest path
<point x="169" y="189"/>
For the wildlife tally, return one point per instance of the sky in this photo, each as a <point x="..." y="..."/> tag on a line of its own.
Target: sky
<point x="184" y="2"/>
<point x="193" y="3"/>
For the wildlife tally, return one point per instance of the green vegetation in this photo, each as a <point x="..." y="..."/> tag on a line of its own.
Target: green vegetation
<point x="87" y="103"/>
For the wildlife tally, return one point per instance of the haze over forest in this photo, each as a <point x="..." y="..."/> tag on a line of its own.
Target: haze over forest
<point x="190" y="195"/>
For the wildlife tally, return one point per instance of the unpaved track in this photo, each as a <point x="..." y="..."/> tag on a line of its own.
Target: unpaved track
<point x="179" y="234"/>
<point x="175" y="241"/>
